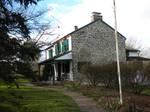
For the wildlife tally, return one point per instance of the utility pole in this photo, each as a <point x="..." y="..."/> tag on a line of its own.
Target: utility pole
<point x="117" y="53"/>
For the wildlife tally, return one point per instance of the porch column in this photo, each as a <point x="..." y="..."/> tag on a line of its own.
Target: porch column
<point x="55" y="71"/>
<point x="61" y="71"/>
<point x="71" y="73"/>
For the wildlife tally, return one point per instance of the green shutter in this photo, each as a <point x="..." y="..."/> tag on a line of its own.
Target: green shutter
<point x="58" y="48"/>
<point x="66" y="45"/>
<point x="50" y="53"/>
<point x="63" y="47"/>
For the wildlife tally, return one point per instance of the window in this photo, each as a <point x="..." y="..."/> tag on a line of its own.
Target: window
<point x="50" y="53"/>
<point x="65" y="45"/>
<point x="62" y="47"/>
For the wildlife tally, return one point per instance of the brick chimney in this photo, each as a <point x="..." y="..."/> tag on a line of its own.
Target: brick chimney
<point x="96" y="16"/>
<point x="75" y="27"/>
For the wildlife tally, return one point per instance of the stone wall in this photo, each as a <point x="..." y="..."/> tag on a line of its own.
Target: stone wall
<point x="95" y="43"/>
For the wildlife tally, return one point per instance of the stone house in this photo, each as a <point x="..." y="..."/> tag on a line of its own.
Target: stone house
<point x="93" y="43"/>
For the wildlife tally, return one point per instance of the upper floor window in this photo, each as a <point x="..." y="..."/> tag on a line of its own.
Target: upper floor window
<point x="65" y="45"/>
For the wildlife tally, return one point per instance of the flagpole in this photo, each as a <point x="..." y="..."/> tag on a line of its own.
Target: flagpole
<point x="117" y="54"/>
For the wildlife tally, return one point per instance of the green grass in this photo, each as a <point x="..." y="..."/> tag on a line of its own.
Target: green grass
<point x="35" y="100"/>
<point x="23" y="80"/>
<point x="146" y="91"/>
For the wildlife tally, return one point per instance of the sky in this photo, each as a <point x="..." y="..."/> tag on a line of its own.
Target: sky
<point x="133" y="16"/>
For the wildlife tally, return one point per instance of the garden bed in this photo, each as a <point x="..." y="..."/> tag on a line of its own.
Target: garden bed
<point x="109" y="98"/>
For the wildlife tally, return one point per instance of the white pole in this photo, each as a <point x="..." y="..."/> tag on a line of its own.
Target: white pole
<point x="117" y="53"/>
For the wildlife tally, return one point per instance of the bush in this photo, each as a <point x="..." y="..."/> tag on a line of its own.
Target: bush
<point x="110" y="104"/>
<point x="109" y="78"/>
<point x="136" y="75"/>
<point x="48" y="72"/>
<point x="92" y="74"/>
<point x="100" y="74"/>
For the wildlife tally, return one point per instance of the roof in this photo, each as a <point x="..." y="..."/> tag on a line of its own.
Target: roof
<point x="132" y="49"/>
<point x="139" y="58"/>
<point x="84" y="27"/>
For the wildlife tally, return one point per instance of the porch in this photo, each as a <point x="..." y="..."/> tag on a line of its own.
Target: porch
<point x="60" y="68"/>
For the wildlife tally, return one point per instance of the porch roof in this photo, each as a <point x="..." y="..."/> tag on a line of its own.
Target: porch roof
<point x="60" y="57"/>
<point x="67" y="56"/>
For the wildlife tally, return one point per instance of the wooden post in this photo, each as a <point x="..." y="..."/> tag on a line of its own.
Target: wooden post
<point x="117" y="53"/>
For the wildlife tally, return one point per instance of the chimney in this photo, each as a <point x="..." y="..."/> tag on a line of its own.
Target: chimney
<point x="96" y="16"/>
<point x="75" y="27"/>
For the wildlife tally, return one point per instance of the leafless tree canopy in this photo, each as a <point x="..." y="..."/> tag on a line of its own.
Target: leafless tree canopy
<point x="136" y="44"/>
<point x="133" y="44"/>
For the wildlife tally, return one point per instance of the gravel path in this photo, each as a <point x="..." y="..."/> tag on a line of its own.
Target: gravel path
<point x="85" y="104"/>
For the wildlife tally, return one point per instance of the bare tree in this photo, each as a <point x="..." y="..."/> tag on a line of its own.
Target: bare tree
<point x="146" y="52"/>
<point x="133" y="44"/>
<point x="136" y="44"/>
<point x="41" y="27"/>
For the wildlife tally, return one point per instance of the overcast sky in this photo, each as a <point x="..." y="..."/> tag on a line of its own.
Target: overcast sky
<point x="133" y="16"/>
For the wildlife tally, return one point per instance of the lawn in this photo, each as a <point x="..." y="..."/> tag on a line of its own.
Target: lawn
<point x="28" y="99"/>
